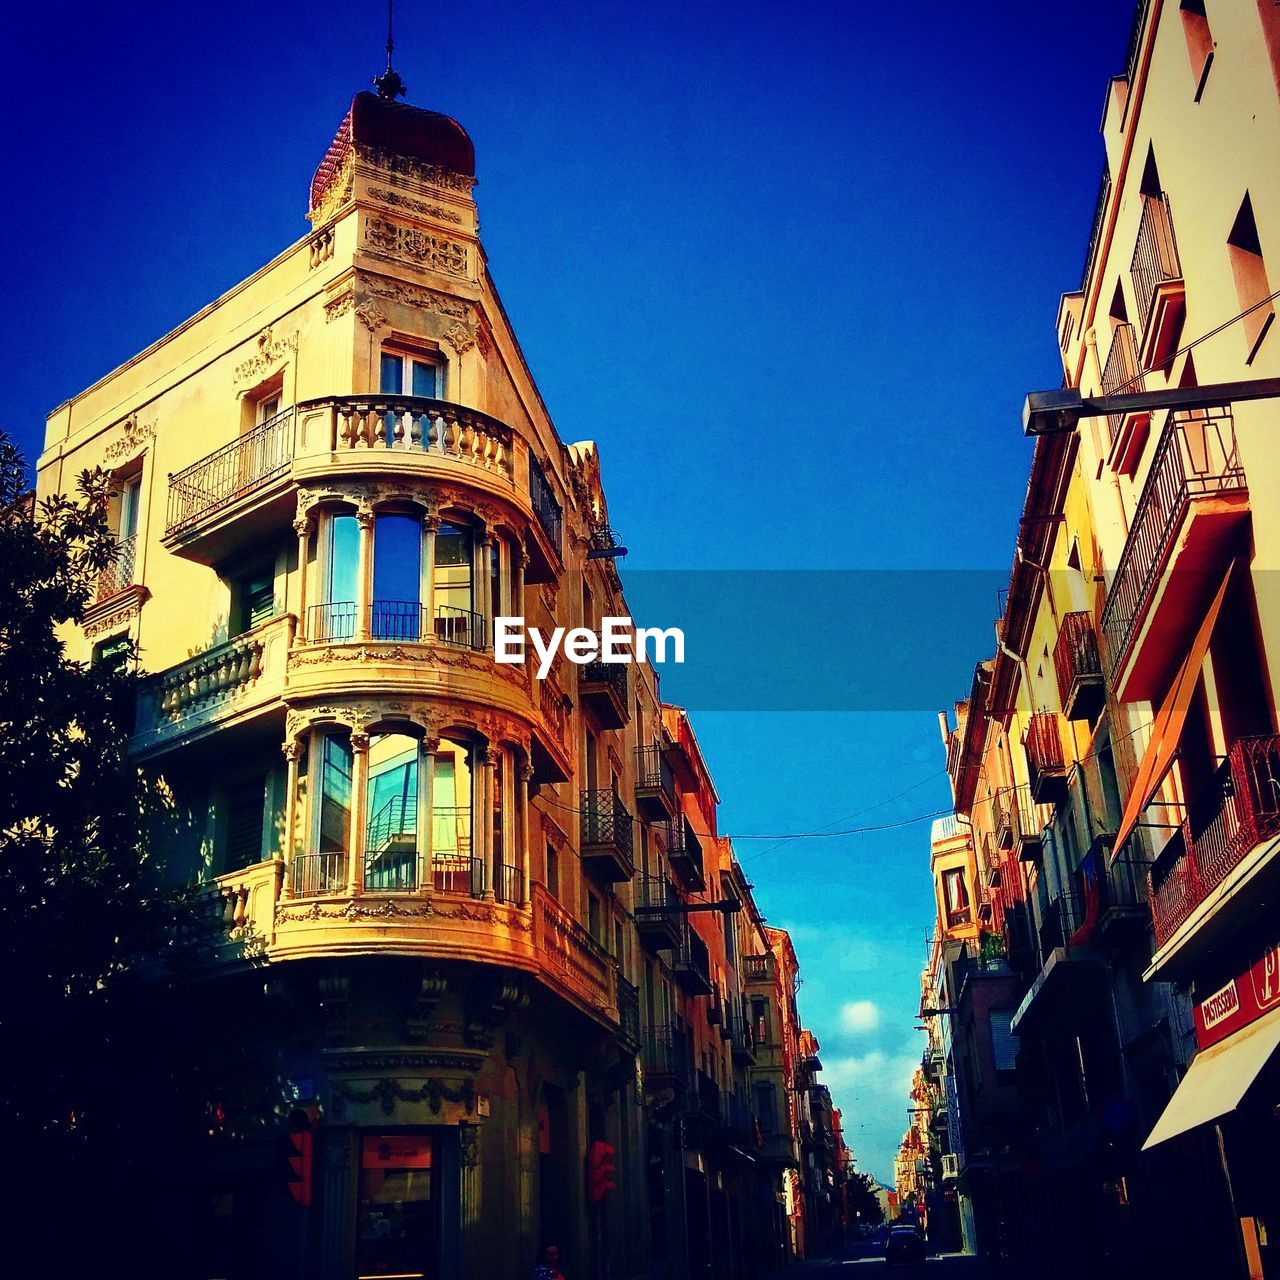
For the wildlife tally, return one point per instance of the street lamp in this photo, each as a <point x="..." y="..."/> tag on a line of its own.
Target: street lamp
<point x="1049" y="412"/>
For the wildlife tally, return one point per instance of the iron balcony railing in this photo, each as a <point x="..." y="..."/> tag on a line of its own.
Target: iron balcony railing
<point x="605" y="820"/>
<point x="119" y="573"/>
<point x="509" y="885"/>
<point x="1237" y="811"/>
<point x="545" y="506"/>
<point x="335" y="621"/>
<point x="668" y="1055"/>
<point x="230" y="473"/>
<point x="1122" y="373"/>
<point x="654" y="894"/>
<point x="391" y="870"/>
<point x="457" y="873"/>
<point x="653" y="773"/>
<point x="461" y="627"/>
<point x="1155" y="255"/>
<point x="1075" y="654"/>
<point x="613" y="674"/>
<point x="313" y="874"/>
<point x="628" y="1011"/>
<point x="1046" y="762"/>
<point x="1095" y="233"/>
<point x="1196" y="458"/>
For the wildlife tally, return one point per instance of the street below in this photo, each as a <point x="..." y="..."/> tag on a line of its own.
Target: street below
<point x="867" y="1259"/>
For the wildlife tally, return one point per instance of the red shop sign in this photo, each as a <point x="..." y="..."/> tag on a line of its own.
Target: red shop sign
<point x="396" y="1152"/>
<point x="1247" y="996"/>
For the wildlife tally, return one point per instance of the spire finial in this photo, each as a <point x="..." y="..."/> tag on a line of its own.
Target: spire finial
<point x="389" y="85"/>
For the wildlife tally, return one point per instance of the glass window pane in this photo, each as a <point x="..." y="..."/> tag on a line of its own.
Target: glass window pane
<point x="335" y="796"/>
<point x="453" y="575"/>
<point x="451" y="816"/>
<point x="397" y="578"/>
<point x="336" y="620"/>
<point x="396" y="1235"/>
<point x="425" y="379"/>
<point x="391" y="827"/>
<point x="392" y="373"/>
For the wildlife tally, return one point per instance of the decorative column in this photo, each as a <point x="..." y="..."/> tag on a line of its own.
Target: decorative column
<point x="430" y="523"/>
<point x="302" y="527"/>
<point x="359" y="789"/>
<point x="364" y="571"/>
<point x="292" y="751"/>
<point x="486" y="544"/>
<point x="519" y="559"/>
<point x="482" y="835"/>
<point x="480" y="574"/>
<point x="426" y="816"/>
<point x="524" y="775"/>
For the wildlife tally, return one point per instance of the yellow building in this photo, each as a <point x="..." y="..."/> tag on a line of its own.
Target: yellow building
<point x="446" y="898"/>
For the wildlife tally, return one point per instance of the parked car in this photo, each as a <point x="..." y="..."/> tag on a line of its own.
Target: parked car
<point x="904" y="1245"/>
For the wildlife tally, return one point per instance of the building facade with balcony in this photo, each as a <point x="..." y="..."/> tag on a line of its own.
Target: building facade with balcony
<point x="1116" y="761"/>
<point x="448" y="935"/>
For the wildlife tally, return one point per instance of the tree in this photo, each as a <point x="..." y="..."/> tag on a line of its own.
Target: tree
<point x="82" y="901"/>
<point x="864" y="1204"/>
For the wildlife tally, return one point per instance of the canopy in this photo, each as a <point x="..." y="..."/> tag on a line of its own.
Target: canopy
<point x="1218" y="1079"/>
<point x="1167" y="730"/>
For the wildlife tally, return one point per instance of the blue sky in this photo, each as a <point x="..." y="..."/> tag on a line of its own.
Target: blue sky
<point x="793" y="273"/>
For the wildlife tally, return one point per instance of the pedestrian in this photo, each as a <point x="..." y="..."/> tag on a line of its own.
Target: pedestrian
<point x="548" y="1266"/>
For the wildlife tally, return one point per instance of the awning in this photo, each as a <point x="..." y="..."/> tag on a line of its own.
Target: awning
<point x="1218" y="1079"/>
<point x="1167" y="730"/>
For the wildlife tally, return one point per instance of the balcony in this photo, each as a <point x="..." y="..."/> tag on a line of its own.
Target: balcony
<point x="707" y="1097"/>
<point x="250" y="475"/>
<point x="668" y="1058"/>
<point x="1120" y="375"/>
<point x="1219" y="841"/>
<point x="684" y="851"/>
<point x="1046" y="762"/>
<point x="691" y="964"/>
<point x="228" y="684"/>
<point x="758" y="969"/>
<point x="1158" y="286"/>
<point x="570" y="959"/>
<point x="550" y="525"/>
<point x="118" y="575"/>
<point x="742" y="1038"/>
<point x="234" y="914"/>
<point x="251" y="480"/>
<point x="1192" y="505"/>
<point x="1078" y="666"/>
<point x="655" y="785"/>
<point x="606" y="836"/>
<point x="657" y="924"/>
<point x="602" y="689"/>
<point x="628" y="1015"/>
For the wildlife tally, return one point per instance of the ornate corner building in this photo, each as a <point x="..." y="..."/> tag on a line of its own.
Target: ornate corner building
<point x="449" y="951"/>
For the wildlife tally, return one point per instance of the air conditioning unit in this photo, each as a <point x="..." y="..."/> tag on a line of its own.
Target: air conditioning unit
<point x="950" y="1166"/>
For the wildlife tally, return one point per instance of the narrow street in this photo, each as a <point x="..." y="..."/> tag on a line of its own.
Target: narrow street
<point x="867" y="1259"/>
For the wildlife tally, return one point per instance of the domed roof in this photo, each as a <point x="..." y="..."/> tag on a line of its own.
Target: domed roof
<point x="400" y="129"/>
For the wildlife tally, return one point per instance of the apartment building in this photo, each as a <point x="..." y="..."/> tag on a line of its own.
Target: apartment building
<point x="460" y="994"/>
<point x="1116" y="761"/>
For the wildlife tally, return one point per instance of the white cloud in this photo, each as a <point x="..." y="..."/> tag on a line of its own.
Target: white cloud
<point x="860" y="1016"/>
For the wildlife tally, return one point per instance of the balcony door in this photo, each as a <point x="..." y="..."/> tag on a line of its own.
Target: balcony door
<point x="453" y="586"/>
<point x="451" y="807"/>
<point x="402" y="373"/>
<point x="397" y="578"/>
<point x="391" y="809"/>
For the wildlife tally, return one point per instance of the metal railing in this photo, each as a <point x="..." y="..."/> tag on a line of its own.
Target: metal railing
<point x="1095" y="233"/>
<point x="1155" y="255"/>
<point x="1075" y="654"/>
<point x="1042" y="742"/>
<point x="390" y="870"/>
<point x="629" y="1010"/>
<point x="667" y="1053"/>
<point x="545" y="507"/>
<point x="605" y="820"/>
<point x="614" y="674"/>
<point x="457" y="873"/>
<point x="509" y="884"/>
<point x="654" y="892"/>
<point x="118" y="575"/>
<point x="230" y="473"/>
<point x="1122" y="372"/>
<point x="1196" y="458"/>
<point x="396" y="620"/>
<point x="335" y="621"/>
<point x="313" y="874"/>
<point x="395" y="823"/>
<point x="460" y="626"/>
<point x="653" y="773"/>
<point x="1237" y="811"/>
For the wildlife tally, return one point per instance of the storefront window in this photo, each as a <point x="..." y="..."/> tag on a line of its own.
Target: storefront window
<point x="398" y="1231"/>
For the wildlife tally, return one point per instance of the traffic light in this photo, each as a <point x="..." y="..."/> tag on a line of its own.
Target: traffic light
<point x="298" y="1153"/>
<point x="601" y="1172"/>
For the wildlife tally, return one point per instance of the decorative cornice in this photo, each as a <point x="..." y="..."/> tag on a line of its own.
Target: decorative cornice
<point x="271" y="351"/>
<point x="114" y="611"/>
<point x="414" y="205"/>
<point x="420" y="249"/>
<point x="407" y="167"/>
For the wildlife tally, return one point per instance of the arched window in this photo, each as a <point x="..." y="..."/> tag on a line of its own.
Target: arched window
<point x="453" y="586"/>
